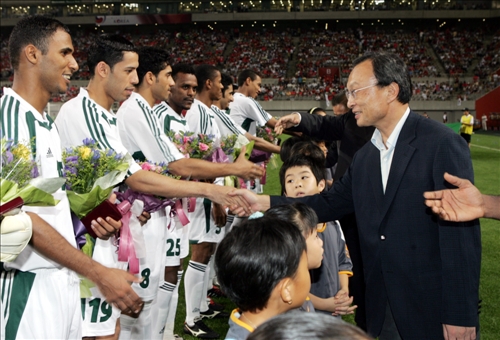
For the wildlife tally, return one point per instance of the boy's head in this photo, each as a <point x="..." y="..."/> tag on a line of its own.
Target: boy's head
<point x="263" y="259"/>
<point x="306" y="220"/>
<point x="155" y="72"/>
<point x="302" y="176"/>
<point x="314" y="326"/>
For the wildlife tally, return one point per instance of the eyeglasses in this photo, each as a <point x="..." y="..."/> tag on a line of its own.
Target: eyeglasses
<point x="353" y="92"/>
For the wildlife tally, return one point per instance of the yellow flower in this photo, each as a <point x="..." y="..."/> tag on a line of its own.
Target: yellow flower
<point x="84" y="152"/>
<point x="21" y="151"/>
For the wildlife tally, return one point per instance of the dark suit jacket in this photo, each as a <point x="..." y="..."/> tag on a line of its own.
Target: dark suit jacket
<point x="343" y="128"/>
<point x="427" y="269"/>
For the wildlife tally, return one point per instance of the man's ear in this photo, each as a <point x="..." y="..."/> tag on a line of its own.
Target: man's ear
<point x="393" y="92"/>
<point x="248" y="81"/>
<point x="149" y="77"/>
<point x="32" y="53"/>
<point x="321" y="185"/>
<point x="102" y="69"/>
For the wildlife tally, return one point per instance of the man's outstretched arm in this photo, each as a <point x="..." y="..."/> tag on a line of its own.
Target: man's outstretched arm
<point x="465" y="203"/>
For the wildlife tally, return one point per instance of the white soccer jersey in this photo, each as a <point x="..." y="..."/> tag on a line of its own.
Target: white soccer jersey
<point x="21" y="122"/>
<point x="141" y="133"/>
<point x="169" y="119"/>
<point x="248" y="113"/>
<point x="201" y="119"/>
<point x="81" y="117"/>
<point x="226" y="124"/>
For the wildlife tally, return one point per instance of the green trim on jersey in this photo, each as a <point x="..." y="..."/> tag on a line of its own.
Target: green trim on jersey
<point x="168" y="119"/>
<point x="138" y="155"/>
<point x="91" y="119"/>
<point x="207" y="205"/>
<point x="20" y="284"/>
<point x="246" y="124"/>
<point x="228" y="122"/>
<point x="264" y="114"/>
<point x="10" y="130"/>
<point x="155" y="130"/>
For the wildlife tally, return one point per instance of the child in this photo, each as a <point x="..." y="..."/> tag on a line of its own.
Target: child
<point x="316" y="326"/>
<point x="303" y="176"/>
<point x="262" y="267"/>
<point x="306" y="220"/>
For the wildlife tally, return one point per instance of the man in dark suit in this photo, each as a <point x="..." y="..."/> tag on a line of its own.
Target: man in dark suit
<point x="350" y="138"/>
<point x="422" y="274"/>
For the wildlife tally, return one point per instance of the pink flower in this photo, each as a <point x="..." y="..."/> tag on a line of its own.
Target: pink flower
<point x="146" y="166"/>
<point x="203" y="147"/>
<point x="185" y="140"/>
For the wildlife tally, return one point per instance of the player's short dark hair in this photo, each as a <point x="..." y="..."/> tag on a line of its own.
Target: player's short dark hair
<point x="390" y="68"/>
<point x="151" y="59"/>
<point x="313" y="326"/>
<point x="226" y="81"/>
<point x="35" y="30"/>
<point x="312" y="161"/>
<point x="254" y="257"/>
<point x="203" y="73"/>
<point x="340" y="98"/>
<point x="299" y="214"/>
<point x="242" y="77"/>
<point x="108" y="48"/>
<point x="182" y="68"/>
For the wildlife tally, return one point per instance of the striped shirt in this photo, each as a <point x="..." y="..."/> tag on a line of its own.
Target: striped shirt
<point x="226" y="124"/>
<point x="169" y="119"/>
<point x="201" y="119"/>
<point x="142" y="134"/>
<point x="22" y="123"/>
<point x="248" y="113"/>
<point x="82" y="117"/>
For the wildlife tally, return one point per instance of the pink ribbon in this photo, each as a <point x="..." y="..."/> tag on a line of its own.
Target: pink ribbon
<point x="126" y="250"/>
<point x="180" y="213"/>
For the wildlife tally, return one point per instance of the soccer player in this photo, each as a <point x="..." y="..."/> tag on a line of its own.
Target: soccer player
<point x="245" y="110"/>
<point x="43" y="277"/>
<point x="142" y="136"/>
<point x="113" y="62"/>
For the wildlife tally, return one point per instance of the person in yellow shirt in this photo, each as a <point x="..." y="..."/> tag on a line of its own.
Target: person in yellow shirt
<point x="467" y="126"/>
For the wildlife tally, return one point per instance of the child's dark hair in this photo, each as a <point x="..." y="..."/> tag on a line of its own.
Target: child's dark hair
<point x="108" y="48"/>
<point x="254" y="257"/>
<point x="309" y="148"/>
<point x="316" y="164"/>
<point x="151" y="59"/>
<point x="300" y="214"/>
<point x="316" y="326"/>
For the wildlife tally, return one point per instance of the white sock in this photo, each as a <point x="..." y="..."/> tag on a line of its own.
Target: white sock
<point x="193" y="287"/>
<point x="206" y="279"/>
<point x="211" y="273"/>
<point x="126" y="325"/>
<point x="164" y="296"/>
<point x="172" y="311"/>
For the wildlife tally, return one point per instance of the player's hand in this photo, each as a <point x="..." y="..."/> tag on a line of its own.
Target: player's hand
<point x="462" y="204"/>
<point x="286" y="122"/>
<point x="245" y="169"/>
<point x="451" y="332"/>
<point x="253" y="202"/>
<point x="114" y="284"/>
<point x="144" y="218"/>
<point x="104" y="228"/>
<point x="221" y="194"/>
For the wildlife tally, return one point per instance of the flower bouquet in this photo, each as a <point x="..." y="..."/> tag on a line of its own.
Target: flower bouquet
<point x="20" y="185"/>
<point x="193" y="146"/>
<point x="91" y="174"/>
